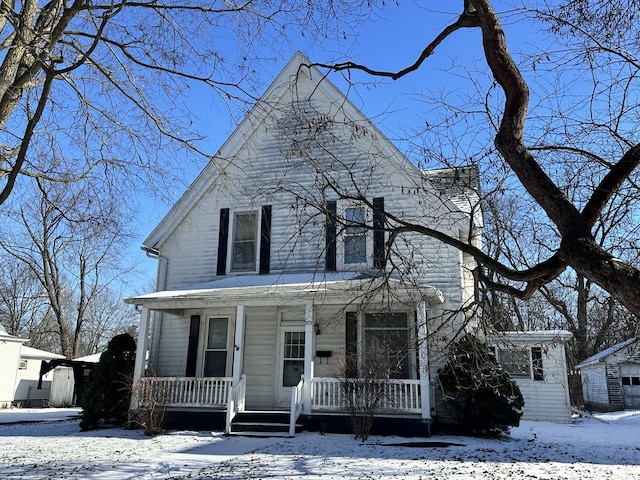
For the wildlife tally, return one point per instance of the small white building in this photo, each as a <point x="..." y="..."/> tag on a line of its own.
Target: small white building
<point x="9" y="363"/>
<point x="536" y="360"/>
<point x="611" y="378"/>
<point x="27" y="393"/>
<point x="68" y="379"/>
<point x="20" y="372"/>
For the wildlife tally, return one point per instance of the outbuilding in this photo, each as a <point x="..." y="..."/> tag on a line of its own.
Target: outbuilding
<point x="611" y="378"/>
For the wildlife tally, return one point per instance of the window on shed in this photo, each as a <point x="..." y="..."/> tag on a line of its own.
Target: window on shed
<point x="521" y="362"/>
<point x="628" y="381"/>
<point x="243" y="250"/>
<point x="516" y="362"/>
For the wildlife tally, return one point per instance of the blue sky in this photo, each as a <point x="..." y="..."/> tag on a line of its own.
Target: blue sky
<point x="390" y="40"/>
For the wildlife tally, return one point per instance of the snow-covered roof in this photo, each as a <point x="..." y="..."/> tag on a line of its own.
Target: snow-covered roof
<point x="532" y="336"/>
<point x="601" y="356"/>
<point x="30" y="352"/>
<point x="95" y="358"/>
<point x="263" y="287"/>
<point x="4" y="336"/>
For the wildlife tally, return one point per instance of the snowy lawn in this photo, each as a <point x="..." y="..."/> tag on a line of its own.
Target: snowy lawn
<point x="47" y="444"/>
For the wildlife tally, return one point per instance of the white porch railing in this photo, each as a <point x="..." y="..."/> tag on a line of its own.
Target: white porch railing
<point x="296" y="406"/>
<point x="186" y="391"/>
<point x="400" y="396"/>
<point x="235" y="402"/>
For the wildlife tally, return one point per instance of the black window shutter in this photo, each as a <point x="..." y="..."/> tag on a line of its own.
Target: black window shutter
<point x="379" y="254"/>
<point x="351" y="342"/>
<point x="536" y="357"/>
<point x="265" y="239"/>
<point x="331" y="234"/>
<point x="223" y="240"/>
<point x="192" y="349"/>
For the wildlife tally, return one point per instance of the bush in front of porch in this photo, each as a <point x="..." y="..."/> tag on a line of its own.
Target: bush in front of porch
<point x="483" y="398"/>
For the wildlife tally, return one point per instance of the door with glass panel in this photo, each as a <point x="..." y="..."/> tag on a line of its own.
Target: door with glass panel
<point x="215" y="355"/>
<point x="291" y="364"/>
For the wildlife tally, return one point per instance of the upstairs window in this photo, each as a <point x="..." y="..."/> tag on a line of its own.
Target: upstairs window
<point x="243" y="248"/>
<point x="355" y="236"/>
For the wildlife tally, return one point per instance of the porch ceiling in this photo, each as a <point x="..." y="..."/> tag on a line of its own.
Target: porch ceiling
<point x="301" y="288"/>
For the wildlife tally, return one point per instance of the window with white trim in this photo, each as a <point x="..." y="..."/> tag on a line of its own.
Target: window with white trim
<point x="215" y="356"/>
<point x="244" y="242"/>
<point x="355" y="236"/>
<point x="386" y="342"/>
<point x="522" y="362"/>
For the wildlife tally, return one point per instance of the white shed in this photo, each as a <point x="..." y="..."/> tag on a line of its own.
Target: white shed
<point x="611" y="378"/>
<point x="9" y="364"/>
<point x="27" y="393"/>
<point x="64" y="389"/>
<point x="537" y="361"/>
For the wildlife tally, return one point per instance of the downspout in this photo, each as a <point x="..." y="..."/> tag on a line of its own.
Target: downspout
<point x="161" y="284"/>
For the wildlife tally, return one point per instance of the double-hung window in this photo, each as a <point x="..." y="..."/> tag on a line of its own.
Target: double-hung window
<point x="244" y="242"/>
<point x="355" y="236"/>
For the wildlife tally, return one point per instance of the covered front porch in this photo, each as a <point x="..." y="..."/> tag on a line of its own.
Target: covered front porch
<point x="280" y="347"/>
<point x="328" y="395"/>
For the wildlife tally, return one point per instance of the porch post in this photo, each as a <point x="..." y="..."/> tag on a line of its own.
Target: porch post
<point x="309" y="332"/>
<point x="238" y="345"/>
<point x="141" y="351"/>
<point x="423" y="359"/>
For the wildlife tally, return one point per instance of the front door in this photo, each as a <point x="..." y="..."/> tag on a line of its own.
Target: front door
<point x="291" y="364"/>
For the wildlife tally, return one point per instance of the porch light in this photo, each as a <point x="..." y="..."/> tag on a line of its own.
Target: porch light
<point x="316" y="328"/>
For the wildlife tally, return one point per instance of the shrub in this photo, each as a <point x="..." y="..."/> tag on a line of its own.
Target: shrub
<point x="483" y="398"/>
<point x="107" y="392"/>
<point x="151" y="398"/>
<point x="365" y="394"/>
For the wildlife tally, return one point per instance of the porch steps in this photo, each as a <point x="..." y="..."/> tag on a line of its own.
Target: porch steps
<point x="262" y="424"/>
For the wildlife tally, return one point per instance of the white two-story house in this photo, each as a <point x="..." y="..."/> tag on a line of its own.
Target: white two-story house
<point x="281" y="272"/>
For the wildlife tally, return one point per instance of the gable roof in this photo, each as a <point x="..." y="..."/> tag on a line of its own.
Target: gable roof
<point x="284" y="84"/>
<point x="602" y="356"/>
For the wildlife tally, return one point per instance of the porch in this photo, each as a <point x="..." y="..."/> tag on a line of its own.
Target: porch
<point x="327" y="396"/>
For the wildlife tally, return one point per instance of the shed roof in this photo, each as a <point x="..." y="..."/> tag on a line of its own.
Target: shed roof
<point x="6" y="337"/>
<point x="601" y="356"/>
<point x="30" y="352"/>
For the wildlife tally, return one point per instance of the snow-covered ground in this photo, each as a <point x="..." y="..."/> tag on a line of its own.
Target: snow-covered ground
<point x="47" y="444"/>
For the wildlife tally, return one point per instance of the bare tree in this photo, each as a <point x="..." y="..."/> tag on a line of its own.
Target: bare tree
<point x="604" y="168"/>
<point x="71" y="238"/>
<point x="94" y="89"/>
<point x="24" y="310"/>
